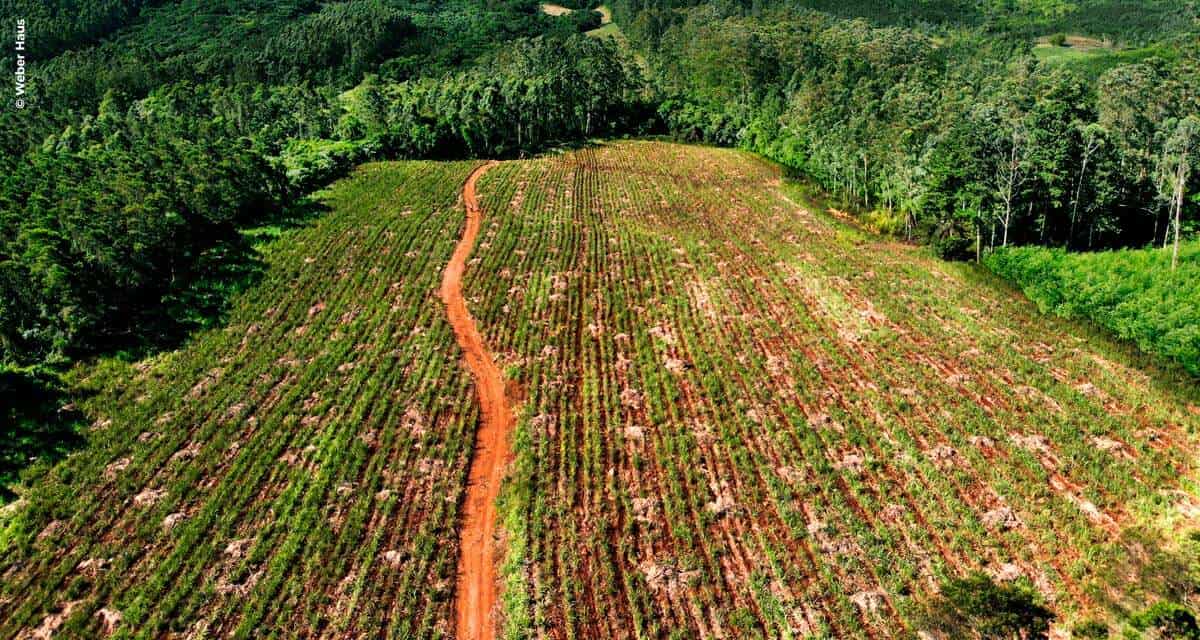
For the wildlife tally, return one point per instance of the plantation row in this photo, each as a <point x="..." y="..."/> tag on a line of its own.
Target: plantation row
<point x="296" y="473"/>
<point x="738" y="419"/>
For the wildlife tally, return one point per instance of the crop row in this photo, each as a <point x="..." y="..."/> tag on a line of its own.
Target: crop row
<point x="740" y="418"/>
<point x="298" y="470"/>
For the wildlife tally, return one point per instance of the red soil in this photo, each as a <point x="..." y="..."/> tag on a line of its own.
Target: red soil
<point x="476" y="592"/>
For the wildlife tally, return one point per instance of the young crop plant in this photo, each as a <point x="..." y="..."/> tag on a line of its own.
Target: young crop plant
<point x="742" y="418"/>
<point x="297" y="470"/>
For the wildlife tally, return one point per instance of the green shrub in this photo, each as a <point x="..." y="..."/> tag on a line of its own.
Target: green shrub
<point x="1094" y="629"/>
<point x="1167" y="620"/>
<point x="311" y="163"/>
<point x="885" y="222"/>
<point x="976" y="606"/>
<point x="1132" y="293"/>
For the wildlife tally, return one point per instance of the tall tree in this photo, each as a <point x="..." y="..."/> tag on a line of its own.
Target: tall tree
<point x="1175" y="168"/>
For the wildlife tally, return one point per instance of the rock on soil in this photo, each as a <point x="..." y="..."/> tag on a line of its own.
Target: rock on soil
<point x="791" y="474"/>
<point x="393" y="557"/>
<point x="943" y="454"/>
<point x="543" y="423"/>
<point x="237" y="548"/>
<point x="1007" y="572"/>
<point x="92" y="566"/>
<point x="109" y="619"/>
<point x="170" y="521"/>
<point x="851" y="462"/>
<point x="1001" y="518"/>
<point x="115" y="468"/>
<point x="631" y="398"/>
<point x="1032" y="442"/>
<point x="721" y="506"/>
<point x="187" y="453"/>
<point x="51" y="530"/>
<point x="53" y="621"/>
<point x="674" y="365"/>
<point x="644" y="509"/>
<point x="1107" y="444"/>
<point x="149" y="497"/>
<point x="983" y="442"/>
<point x="414" y="422"/>
<point x="663" y="576"/>
<point x="869" y="601"/>
<point x="893" y="512"/>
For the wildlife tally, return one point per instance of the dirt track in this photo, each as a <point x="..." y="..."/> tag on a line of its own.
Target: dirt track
<point x="476" y="591"/>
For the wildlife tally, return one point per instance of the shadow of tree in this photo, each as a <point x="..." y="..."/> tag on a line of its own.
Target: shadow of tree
<point x="200" y="297"/>
<point x="35" y="424"/>
<point x="38" y="422"/>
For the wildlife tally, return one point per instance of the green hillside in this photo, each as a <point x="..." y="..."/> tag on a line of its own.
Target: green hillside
<point x="1135" y="294"/>
<point x="296" y="468"/>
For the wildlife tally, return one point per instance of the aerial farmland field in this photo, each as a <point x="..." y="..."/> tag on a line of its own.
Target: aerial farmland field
<point x="298" y="470"/>
<point x="739" y="417"/>
<point x="734" y="415"/>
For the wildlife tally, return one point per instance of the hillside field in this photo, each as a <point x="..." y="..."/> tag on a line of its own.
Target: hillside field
<point x="299" y="469"/>
<point x="736" y="417"/>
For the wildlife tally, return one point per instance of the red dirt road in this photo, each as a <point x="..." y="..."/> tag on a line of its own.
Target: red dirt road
<point x="476" y="592"/>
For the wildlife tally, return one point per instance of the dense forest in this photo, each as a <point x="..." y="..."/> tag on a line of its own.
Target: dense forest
<point x="1135" y="294"/>
<point x="949" y="133"/>
<point x="154" y="131"/>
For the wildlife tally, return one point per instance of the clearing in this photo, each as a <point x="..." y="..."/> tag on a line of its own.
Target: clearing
<point x="746" y="419"/>
<point x="559" y="10"/>
<point x="607" y="28"/>
<point x="735" y="417"/>
<point x="555" y="9"/>
<point x="1093" y="56"/>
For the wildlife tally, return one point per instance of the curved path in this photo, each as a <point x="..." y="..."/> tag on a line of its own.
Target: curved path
<point x="476" y="592"/>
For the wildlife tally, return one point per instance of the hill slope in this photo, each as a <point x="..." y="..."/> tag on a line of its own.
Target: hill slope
<point x="735" y="418"/>
<point x="744" y="419"/>
<point x="299" y="469"/>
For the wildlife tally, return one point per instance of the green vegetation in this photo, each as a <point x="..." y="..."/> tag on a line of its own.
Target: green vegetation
<point x="910" y="123"/>
<point x="1094" y="62"/>
<point x="154" y="132"/>
<point x="734" y="408"/>
<point x="959" y="131"/>
<point x="975" y="606"/>
<point x="738" y="416"/>
<point x="730" y="408"/>
<point x="1126" y="20"/>
<point x="297" y="469"/>
<point x="1167" y="620"/>
<point x="1134" y="294"/>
